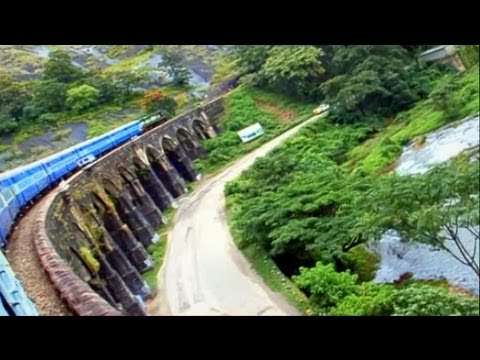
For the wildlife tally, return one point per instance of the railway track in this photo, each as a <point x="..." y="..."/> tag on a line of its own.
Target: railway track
<point x="22" y="256"/>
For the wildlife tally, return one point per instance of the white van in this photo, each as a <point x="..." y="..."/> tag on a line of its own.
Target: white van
<point x="251" y="132"/>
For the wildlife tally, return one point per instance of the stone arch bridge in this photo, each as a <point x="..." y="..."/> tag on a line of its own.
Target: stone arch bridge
<point x="94" y="230"/>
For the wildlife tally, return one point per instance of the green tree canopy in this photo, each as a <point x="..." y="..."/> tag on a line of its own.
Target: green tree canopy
<point x="294" y="70"/>
<point x="172" y="63"/>
<point x="82" y="97"/>
<point x="50" y="96"/>
<point x="13" y="97"/>
<point x="60" y="68"/>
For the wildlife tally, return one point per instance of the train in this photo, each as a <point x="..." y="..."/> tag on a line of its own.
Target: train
<point x="22" y="186"/>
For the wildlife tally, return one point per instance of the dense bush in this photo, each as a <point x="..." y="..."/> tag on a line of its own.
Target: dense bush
<point x="325" y="286"/>
<point x="425" y="300"/>
<point x="367" y="299"/>
<point x="339" y="294"/>
<point x="82" y="98"/>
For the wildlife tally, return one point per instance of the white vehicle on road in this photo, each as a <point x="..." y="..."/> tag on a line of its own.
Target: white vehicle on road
<point x="251" y="132"/>
<point x="321" y="109"/>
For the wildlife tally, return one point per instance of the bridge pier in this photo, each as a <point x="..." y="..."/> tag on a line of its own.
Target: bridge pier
<point x="119" y="290"/>
<point x="136" y="222"/>
<point x="123" y="237"/>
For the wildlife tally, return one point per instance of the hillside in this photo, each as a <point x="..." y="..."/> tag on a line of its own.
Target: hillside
<point x="23" y="66"/>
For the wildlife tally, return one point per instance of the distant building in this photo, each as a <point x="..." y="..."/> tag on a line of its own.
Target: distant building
<point x="445" y="54"/>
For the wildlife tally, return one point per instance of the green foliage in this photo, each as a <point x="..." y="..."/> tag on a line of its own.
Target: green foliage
<point x="50" y="96"/>
<point x="442" y="98"/>
<point x="59" y="68"/>
<point x="428" y="208"/>
<point x="7" y="125"/>
<point x="82" y="98"/>
<point x="326" y="287"/>
<point x="338" y="294"/>
<point x="172" y="63"/>
<point x="293" y="70"/>
<point x="362" y="262"/>
<point x="242" y="110"/>
<point x="157" y="251"/>
<point x="109" y="92"/>
<point x="307" y="201"/>
<point x="48" y="118"/>
<point x="294" y="200"/>
<point x="368" y="299"/>
<point x="126" y="80"/>
<point x="13" y="97"/>
<point x="376" y="154"/>
<point x="469" y="55"/>
<point x="251" y="58"/>
<point x="158" y="101"/>
<point x="424" y="300"/>
<point x="372" y="81"/>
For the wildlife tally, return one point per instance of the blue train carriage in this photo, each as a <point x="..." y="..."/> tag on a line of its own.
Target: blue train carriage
<point x="29" y="181"/>
<point x="89" y="150"/>
<point x="17" y="188"/>
<point x="60" y="164"/>
<point x="9" y="207"/>
<point x="125" y="132"/>
<point x="13" y="300"/>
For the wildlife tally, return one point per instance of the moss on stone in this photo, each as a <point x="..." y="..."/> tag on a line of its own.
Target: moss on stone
<point x="362" y="261"/>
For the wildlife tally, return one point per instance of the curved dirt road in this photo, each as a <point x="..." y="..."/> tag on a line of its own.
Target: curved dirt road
<point x="204" y="273"/>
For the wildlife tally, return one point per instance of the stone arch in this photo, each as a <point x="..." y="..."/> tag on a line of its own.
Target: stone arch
<point x="179" y="159"/>
<point x="201" y="130"/>
<point x="141" y="198"/>
<point x="167" y="175"/>
<point x="126" y="175"/>
<point x="111" y="189"/>
<point x="190" y="144"/>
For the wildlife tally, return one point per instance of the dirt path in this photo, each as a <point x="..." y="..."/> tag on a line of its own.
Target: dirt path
<point x="204" y="273"/>
<point x="24" y="261"/>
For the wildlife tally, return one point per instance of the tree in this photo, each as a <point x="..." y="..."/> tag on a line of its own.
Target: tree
<point x="440" y="208"/>
<point x="7" y="125"/>
<point x="109" y="91"/>
<point x="444" y="100"/>
<point x="49" y="96"/>
<point x="60" y="68"/>
<point x="172" y="63"/>
<point x="126" y="80"/>
<point x="294" y="70"/>
<point x="371" y="81"/>
<point x="251" y="58"/>
<point x="156" y="100"/>
<point x="82" y="98"/>
<point x="13" y="97"/>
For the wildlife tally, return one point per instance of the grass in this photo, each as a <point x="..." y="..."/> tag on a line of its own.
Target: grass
<point x="244" y="107"/>
<point x="129" y="63"/>
<point x="158" y="251"/>
<point x="266" y="268"/>
<point x="377" y="154"/>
